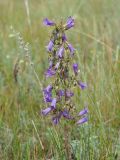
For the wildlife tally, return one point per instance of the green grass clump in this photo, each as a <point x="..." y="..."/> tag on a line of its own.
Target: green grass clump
<point x="24" y="133"/>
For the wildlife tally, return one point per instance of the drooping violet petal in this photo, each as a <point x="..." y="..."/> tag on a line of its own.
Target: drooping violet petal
<point x="46" y="111"/>
<point x="69" y="23"/>
<point x="72" y="50"/>
<point x="57" y="118"/>
<point x="60" y="52"/>
<point x="75" y="68"/>
<point x="50" y="64"/>
<point x="83" y="120"/>
<point x="67" y="115"/>
<point x="47" y="98"/>
<point x="69" y="93"/>
<point x="64" y="38"/>
<point x="53" y="103"/>
<point x="46" y="93"/>
<point x="50" y="46"/>
<point x="61" y="92"/>
<point x="48" y="22"/>
<point x="50" y="73"/>
<point x="84" y="111"/>
<point x="57" y="65"/>
<point x="70" y="20"/>
<point x="82" y="85"/>
<point x="48" y="88"/>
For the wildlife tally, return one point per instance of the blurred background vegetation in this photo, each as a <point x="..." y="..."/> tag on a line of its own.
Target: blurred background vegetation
<point x="24" y="133"/>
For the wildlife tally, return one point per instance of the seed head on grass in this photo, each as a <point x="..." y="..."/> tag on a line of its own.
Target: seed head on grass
<point x="58" y="94"/>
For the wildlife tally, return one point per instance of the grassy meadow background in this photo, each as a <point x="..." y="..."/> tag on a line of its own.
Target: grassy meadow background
<point x="24" y="133"/>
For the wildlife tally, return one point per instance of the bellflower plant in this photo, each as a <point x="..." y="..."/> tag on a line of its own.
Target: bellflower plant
<point x="58" y="94"/>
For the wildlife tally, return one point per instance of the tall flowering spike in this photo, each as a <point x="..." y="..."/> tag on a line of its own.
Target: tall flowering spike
<point x="60" y="52"/>
<point x="83" y="112"/>
<point x="69" y="23"/>
<point x="50" y="46"/>
<point x="75" y="68"/>
<point x="82" y="85"/>
<point x="48" y="22"/>
<point x="61" y="56"/>
<point x="72" y="50"/>
<point x="82" y="120"/>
